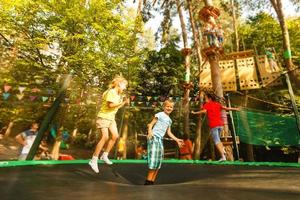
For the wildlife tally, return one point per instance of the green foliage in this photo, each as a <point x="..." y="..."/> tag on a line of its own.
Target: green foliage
<point x="162" y="72"/>
<point x="43" y="39"/>
<point x="261" y="31"/>
<point x="63" y="35"/>
<point x="294" y="27"/>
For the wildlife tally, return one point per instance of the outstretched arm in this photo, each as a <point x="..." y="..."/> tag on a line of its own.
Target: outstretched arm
<point x="203" y="111"/>
<point x="228" y="109"/>
<point x="171" y="135"/>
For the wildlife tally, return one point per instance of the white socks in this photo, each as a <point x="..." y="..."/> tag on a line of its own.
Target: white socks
<point x="104" y="157"/>
<point x="95" y="158"/>
<point x="105" y="154"/>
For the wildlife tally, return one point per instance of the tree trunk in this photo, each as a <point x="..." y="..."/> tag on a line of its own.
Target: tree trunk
<point x="216" y="75"/>
<point x="218" y="89"/>
<point x="277" y="4"/>
<point x="140" y="5"/>
<point x="182" y="23"/>
<point x="198" y="139"/>
<point x="213" y="59"/>
<point x="195" y="35"/>
<point x="287" y="54"/>
<point x="234" y="23"/>
<point x="186" y="53"/>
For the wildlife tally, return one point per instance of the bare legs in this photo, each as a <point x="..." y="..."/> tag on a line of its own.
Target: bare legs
<point x="114" y="136"/>
<point x="104" y="138"/>
<point x="102" y="141"/>
<point x="152" y="173"/>
<point x="221" y="150"/>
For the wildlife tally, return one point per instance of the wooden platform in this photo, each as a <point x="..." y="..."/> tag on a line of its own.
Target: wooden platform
<point x="238" y="55"/>
<point x="207" y="12"/>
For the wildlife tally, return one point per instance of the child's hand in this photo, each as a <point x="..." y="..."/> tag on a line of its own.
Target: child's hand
<point x="193" y="112"/>
<point x="180" y="143"/>
<point x="150" y="135"/>
<point x="236" y="109"/>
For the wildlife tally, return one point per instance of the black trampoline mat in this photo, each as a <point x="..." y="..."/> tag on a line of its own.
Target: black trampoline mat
<point x="125" y="182"/>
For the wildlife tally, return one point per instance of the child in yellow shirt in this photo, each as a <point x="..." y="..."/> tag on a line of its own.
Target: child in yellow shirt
<point x="111" y="101"/>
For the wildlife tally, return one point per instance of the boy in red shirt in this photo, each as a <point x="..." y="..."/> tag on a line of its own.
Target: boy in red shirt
<point x="213" y="109"/>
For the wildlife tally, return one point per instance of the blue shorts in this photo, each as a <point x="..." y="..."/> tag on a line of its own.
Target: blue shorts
<point x="155" y="152"/>
<point x="215" y="133"/>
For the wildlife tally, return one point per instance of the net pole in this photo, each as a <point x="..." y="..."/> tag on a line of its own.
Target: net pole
<point x="48" y="118"/>
<point x="236" y="149"/>
<point x="292" y="96"/>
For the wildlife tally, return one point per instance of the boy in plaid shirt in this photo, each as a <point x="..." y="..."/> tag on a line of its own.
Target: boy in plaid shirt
<point x="158" y="127"/>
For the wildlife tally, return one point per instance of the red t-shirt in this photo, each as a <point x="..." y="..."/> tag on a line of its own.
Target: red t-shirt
<point x="214" y="113"/>
<point x="186" y="148"/>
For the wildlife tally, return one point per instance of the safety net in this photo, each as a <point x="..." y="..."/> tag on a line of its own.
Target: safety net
<point x="266" y="128"/>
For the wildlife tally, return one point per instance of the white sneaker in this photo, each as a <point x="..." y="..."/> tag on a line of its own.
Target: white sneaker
<point x="106" y="160"/>
<point x="222" y="159"/>
<point x="94" y="166"/>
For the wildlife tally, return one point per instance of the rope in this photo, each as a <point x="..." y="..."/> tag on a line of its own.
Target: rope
<point x="268" y="102"/>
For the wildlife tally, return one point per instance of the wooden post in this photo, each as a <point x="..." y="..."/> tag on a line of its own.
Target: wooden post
<point x="237" y="46"/>
<point x="197" y="140"/>
<point x="236" y="148"/>
<point x="187" y="87"/>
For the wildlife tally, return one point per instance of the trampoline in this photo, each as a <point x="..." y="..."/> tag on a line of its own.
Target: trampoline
<point x="69" y="180"/>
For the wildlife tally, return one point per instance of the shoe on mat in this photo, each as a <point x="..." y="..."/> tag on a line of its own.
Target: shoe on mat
<point x="94" y="166"/>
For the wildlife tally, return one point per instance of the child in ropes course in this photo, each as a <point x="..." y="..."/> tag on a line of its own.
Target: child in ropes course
<point x="220" y="34"/>
<point x="213" y="109"/>
<point x="157" y="128"/>
<point x="271" y="60"/>
<point x="210" y="31"/>
<point x="111" y="101"/>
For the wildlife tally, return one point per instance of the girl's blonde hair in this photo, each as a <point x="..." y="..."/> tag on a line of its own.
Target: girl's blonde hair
<point x="168" y="101"/>
<point x="117" y="80"/>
